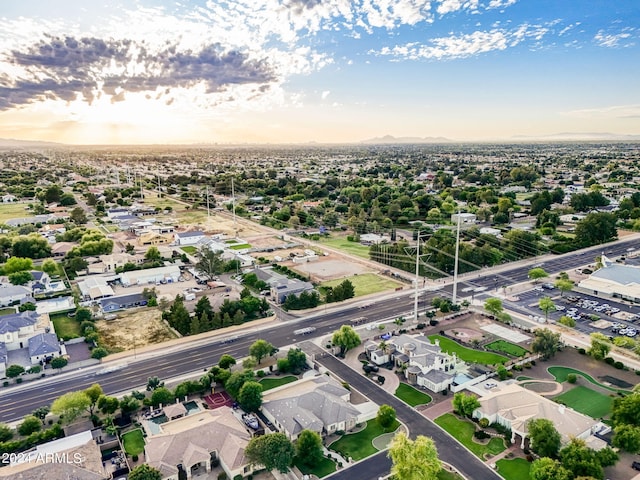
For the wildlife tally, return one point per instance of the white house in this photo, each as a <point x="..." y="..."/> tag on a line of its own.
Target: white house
<point x="44" y="346"/>
<point x="465" y="218"/>
<point x="11" y="294"/>
<point x="188" y="238"/>
<point x="514" y="406"/>
<point x="3" y="359"/>
<point x="425" y="363"/>
<point x="8" y="198"/>
<point x="16" y="328"/>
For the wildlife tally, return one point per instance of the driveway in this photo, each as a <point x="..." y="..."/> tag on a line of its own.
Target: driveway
<point x="391" y="380"/>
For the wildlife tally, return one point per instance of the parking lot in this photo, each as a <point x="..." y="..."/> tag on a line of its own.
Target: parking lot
<point x="591" y="314"/>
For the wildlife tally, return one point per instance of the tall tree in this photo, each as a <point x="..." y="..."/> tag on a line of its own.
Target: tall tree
<point x="250" y="396"/>
<point x="386" y="416"/>
<point x="309" y="448"/>
<point x="465" y="404"/>
<point x="273" y="451"/>
<point x="537" y="273"/>
<point x="545" y="439"/>
<point x="70" y="405"/>
<point x="144" y="472"/>
<point x="580" y="460"/>
<point x="545" y="342"/>
<point x="260" y="349"/>
<point x="546" y="468"/>
<point x="493" y="306"/>
<point x="346" y="338"/>
<point x="626" y="410"/>
<point x="564" y="285"/>
<point x="209" y="262"/>
<point x="414" y="460"/>
<point x="546" y="305"/>
<point x="226" y="361"/>
<point x="627" y="437"/>
<point x="94" y="392"/>
<point x="600" y="346"/>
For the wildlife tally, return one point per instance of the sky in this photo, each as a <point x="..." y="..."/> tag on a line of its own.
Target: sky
<point x="327" y="71"/>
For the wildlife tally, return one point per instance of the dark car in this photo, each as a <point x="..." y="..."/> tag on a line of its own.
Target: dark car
<point x="635" y="465"/>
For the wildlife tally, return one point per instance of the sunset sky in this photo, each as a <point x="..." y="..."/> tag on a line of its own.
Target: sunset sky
<point x="294" y="71"/>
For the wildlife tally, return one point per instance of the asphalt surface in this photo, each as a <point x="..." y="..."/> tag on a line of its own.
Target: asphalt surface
<point x="449" y="449"/>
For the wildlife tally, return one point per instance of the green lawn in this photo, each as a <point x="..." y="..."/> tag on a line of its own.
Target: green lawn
<point x="359" y="445"/>
<point x="240" y="246"/>
<point x="561" y="373"/>
<point x="587" y="401"/>
<point x="353" y="248"/>
<point x="66" y="327"/>
<point x="269" y="383"/>
<point x="411" y="396"/>
<point x="13" y="210"/>
<point x="190" y="249"/>
<point x="509" y="348"/>
<point x="446" y="475"/>
<point x="515" y="469"/>
<point x="366" y="283"/>
<point x="463" y="430"/>
<point x="468" y="354"/>
<point x="7" y="311"/>
<point x="133" y="442"/>
<point x="324" y="468"/>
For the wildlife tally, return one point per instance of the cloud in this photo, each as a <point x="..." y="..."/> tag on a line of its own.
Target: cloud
<point x="325" y="94"/>
<point x="610" y="112"/>
<point x="614" y="40"/>
<point x="66" y="68"/>
<point x="463" y="46"/>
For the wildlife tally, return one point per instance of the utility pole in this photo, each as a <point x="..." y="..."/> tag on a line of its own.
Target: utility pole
<point x="455" y="263"/>
<point x="233" y="207"/>
<point x="415" y="296"/>
<point x="208" y="210"/>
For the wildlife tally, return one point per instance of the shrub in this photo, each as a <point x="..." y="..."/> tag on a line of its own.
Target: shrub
<point x="582" y="351"/>
<point x="481" y="434"/>
<point x="433" y="323"/>
<point x="260" y="373"/>
<point x="609" y="361"/>
<point x="134" y="458"/>
<point x="618" y="365"/>
<point x="420" y="326"/>
<point x="222" y="476"/>
<point x="571" y="378"/>
<point x="483" y="422"/>
<point x="533" y="362"/>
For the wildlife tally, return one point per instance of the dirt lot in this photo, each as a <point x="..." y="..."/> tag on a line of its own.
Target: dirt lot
<point x="328" y="268"/>
<point x="135" y="328"/>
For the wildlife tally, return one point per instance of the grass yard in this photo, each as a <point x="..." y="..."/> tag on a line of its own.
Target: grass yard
<point x="561" y="373"/>
<point x="587" y="401"/>
<point x="7" y="311"/>
<point x="190" y="249"/>
<point x="269" y="383"/>
<point x="515" y="469"/>
<point x="366" y="283"/>
<point x="446" y="475"/>
<point x="359" y="445"/>
<point x="324" y="468"/>
<point x="509" y="348"/>
<point x="463" y="430"/>
<point x="468" y="354"/>
<point x="411" y="396"/>
<point x="353" y="248"/>
<point x="240" y="246"/>
<point x="13" y="210"/>
<point x="133" y="442"/>
<point x="66" y="328"/>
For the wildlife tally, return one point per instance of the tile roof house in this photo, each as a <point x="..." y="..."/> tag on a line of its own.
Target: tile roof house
<point x="43" y="347"/>
<point x="193" y="442"/>
<point x="76" y="457"/>
<point x="426" y="364"/>
<point x="514" y="406"/>
<point x="319" y="403"/>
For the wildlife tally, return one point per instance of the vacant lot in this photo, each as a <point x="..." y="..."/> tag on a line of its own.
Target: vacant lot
<point x="341" y="243"/>
<point x="13" y="210"/>
<point x="133" y="330"/>
<point x="366" y="284"/>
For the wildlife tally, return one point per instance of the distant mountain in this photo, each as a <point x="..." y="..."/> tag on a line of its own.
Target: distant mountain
<point x="13" y="143"/>
<point x="581" y="136"/>
<point x="389" y="139"/>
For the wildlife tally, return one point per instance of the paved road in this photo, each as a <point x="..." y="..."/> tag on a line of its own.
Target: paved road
<point x="449" y="450"/>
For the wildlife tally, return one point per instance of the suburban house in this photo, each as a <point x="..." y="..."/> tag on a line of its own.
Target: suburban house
<point x="40" y="282"/>
<point x="16" y="328"/>
<point x="94" y="288"/>
<point x="514" y="406"/>
<point x="424" y="363"/>
<point x="613" y="281"/>
<point x="463" y="218"/>
<point x="75" y="457"/>
<point x="188" y="446"/>
<point x="167" y="274"/>
<point x="44" y="346"/>
<point x="188" y="238"/>
<point x="154" y="238"/>
<point x="14" y="294"/>
<point x="122" y="302"/>
<point x="60" y="249"/>
<point x="282" y="288"/>
<point x="109" y="263"/>
<point x="318" y="403"/>
<point x="18" y="222"/>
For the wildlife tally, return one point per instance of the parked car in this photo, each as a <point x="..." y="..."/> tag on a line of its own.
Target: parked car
<point x="635" y="465"/>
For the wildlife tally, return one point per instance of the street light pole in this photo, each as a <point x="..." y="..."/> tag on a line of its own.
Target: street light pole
<point x="455" y="262"/>
<point x="415" y="293"/>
